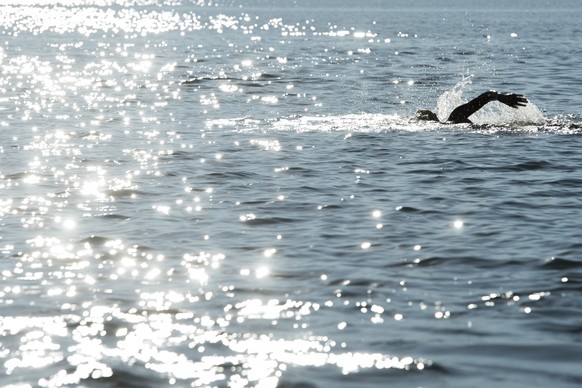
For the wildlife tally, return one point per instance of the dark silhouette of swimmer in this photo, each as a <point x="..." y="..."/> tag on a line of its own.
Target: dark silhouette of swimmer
<point x="462" y="113"/>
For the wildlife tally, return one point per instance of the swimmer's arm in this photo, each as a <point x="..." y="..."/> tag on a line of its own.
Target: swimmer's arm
<point x="462" y="113"/>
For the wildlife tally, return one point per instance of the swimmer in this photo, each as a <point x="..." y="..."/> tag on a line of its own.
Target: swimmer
<point x="462" y="113"/>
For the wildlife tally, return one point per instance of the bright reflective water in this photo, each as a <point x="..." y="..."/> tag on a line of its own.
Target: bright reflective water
<point x="199" y="193"/>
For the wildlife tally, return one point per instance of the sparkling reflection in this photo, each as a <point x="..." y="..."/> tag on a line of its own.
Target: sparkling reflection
<point x="257" y="359"/>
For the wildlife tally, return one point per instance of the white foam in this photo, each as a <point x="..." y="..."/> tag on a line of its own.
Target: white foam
<point x="361" y="122"/>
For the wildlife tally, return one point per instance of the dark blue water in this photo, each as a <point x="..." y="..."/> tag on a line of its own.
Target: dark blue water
<point x="226" y="194"/>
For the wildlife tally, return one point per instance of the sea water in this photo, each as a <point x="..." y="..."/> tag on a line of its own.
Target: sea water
<point x="236" y="193"/>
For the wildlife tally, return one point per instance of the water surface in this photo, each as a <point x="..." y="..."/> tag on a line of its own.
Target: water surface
<point x="225" y="194"/>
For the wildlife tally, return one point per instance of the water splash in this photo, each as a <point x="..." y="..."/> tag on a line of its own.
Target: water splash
<point x="451" y="99"/>
<point x="494" y="113"/>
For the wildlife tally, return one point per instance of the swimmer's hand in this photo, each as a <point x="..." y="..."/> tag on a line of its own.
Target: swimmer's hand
<point x="512" y="100"/>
